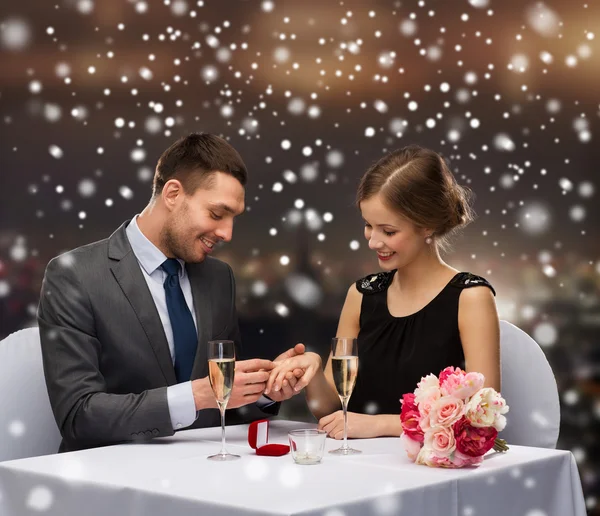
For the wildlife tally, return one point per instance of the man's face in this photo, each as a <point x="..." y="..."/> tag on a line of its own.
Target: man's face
<point x="199" y="221"/>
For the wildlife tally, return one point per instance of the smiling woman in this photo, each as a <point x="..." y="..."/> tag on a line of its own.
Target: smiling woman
<point x="419" y="315"/>
<point x="417" y="186"/>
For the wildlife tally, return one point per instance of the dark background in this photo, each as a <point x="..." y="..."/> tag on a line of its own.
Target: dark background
<point x="335" y="78"/>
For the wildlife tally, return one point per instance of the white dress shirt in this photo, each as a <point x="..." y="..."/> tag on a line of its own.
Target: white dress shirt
<point x="180" y="398"/>
<point x="182" y="407"/>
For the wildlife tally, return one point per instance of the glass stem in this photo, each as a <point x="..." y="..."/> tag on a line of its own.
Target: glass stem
<point x="222" y="410"/>
<point x="345" y="409"/>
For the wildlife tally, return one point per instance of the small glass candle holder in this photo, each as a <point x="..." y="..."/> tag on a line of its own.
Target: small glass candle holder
<point x="307" y="445"/>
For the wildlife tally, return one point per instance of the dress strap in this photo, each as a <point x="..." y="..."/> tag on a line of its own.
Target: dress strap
<point x="374" y="283"/>
<point x="467" y="280"/>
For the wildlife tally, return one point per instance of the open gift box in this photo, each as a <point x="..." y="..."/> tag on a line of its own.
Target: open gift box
<point x="258" y="438"/>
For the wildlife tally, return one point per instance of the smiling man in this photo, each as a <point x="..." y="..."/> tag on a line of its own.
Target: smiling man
<point x="124" y="322"/>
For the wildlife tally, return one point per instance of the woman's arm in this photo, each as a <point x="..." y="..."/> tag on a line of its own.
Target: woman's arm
<point x="321" y="394"/>
<point x="480" y="333"/>
<point x="361" y="426"/>
<point x="327" y="408"/>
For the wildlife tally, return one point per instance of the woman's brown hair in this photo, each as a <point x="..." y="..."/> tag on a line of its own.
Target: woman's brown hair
<point x="417" y="183"/>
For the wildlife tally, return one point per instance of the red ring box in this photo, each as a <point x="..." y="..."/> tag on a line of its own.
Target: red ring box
<point x="258" y="438"/>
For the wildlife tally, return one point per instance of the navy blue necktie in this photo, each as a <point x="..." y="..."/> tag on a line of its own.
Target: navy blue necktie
<point x="185" y="338"/>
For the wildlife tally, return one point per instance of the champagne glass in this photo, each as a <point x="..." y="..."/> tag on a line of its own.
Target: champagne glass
<point x="344" y="362"/>
<point x="221" y="371"/>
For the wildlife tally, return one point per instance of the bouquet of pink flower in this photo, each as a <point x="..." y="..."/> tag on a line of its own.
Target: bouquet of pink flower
<point x="452" y="421"/>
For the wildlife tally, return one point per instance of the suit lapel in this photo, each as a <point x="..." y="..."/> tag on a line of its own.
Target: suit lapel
<point x="201" y="287"/>
<point x="128" y="274"/>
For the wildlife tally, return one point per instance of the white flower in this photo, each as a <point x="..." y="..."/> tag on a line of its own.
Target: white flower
<point x="427" y="389"/>
<point x="500" y="422"/>
<point x="486" y="408"/>
<point x="411" y="446"/>
<point x="428" y="457"/>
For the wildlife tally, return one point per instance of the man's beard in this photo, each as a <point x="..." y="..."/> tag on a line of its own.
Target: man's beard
<point x="175" y="245"/>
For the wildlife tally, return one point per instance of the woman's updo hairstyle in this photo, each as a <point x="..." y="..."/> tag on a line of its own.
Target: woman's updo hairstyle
<point x="417" y="183"/>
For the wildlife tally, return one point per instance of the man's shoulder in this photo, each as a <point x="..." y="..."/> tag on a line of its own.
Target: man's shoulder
<point x="81" y="257"/>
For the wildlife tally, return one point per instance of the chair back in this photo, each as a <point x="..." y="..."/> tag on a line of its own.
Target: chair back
<point x="27" y="424"/>
<point x="529" y="388"/>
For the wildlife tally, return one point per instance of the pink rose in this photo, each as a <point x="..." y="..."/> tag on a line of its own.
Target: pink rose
<point x="463" y="386"/>
<point x="410" y="418"/>
<point x="411" y="446"/>
<point x="459" y="460"/>
<point x="441" y="462"/>
<point x="473" y="441"/>
<point x="427" y="388"/>
<point x="425" y="410"/>
<point x="446" y="411"/>
<point x="428" y="398"/>
<point x="427" y="457"/>
<point x="449" y="371"/>
<point x="455" y="382"/>
<point x="408" y="403"/>
<point x="440" y="440"/>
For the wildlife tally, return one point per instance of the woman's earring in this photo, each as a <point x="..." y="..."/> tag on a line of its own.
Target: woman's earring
<point x="428" y="240"/>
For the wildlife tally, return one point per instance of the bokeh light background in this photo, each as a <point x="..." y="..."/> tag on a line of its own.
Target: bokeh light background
<point x="311" y="93"/>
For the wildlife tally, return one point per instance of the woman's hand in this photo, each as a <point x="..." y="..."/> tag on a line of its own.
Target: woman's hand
<point x="360" y="426"/>
<point x="301" y="367"/>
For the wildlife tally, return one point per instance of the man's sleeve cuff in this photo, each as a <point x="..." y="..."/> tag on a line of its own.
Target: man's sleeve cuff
<point x="182" y="407"/>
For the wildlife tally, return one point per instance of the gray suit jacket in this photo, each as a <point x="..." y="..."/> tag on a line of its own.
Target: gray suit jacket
<point x="106" y="357"/>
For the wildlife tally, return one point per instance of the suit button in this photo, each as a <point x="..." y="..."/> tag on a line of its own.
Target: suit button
<point x="148" y="433"/>
<point x="155" y="432"/>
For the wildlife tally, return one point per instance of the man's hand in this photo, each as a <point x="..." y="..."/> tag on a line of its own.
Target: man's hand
<point x="249" y="383"/>
<point x="250" y="380"/>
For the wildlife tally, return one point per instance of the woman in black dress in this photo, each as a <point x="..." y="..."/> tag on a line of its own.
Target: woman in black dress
<point x="416" y="317"/>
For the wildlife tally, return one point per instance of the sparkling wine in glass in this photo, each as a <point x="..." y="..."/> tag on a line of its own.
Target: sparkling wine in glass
<point x="344" y="362"/>
<point x="221" y="372"/>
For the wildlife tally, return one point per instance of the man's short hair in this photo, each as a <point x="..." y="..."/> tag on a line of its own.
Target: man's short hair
<point x="193" y="159"/>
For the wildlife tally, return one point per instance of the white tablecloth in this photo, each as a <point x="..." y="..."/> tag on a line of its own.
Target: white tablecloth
<point x="171" y="476"/>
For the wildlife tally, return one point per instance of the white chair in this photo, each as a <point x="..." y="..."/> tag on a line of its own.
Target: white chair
<point x="529" y="388"/>
<point x="27" y="425"/>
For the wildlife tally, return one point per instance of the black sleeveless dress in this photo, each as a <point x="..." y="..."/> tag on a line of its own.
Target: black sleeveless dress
<point x="395" y="352"/>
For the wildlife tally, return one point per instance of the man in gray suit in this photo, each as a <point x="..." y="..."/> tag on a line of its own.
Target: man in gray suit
<point x="124" y="322"/>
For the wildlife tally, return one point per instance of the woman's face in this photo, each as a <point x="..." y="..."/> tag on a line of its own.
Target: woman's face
<point x="395" y="239"/>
